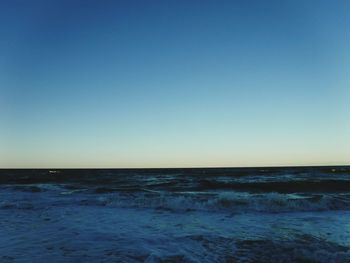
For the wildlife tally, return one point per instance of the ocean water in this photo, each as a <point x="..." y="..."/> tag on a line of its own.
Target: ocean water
<point x="176" y="215"/>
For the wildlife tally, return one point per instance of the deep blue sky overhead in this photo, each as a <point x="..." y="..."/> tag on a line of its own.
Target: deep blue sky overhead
<point x="174" y="83"/>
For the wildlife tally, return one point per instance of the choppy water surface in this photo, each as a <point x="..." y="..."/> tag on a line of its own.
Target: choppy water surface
<point x="176" y="215"/>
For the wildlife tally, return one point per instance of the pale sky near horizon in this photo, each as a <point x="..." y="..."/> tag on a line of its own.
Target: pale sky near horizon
<point x="174" y="83"/>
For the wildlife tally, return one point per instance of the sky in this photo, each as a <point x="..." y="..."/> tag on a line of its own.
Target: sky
<point x="174" y="83"/>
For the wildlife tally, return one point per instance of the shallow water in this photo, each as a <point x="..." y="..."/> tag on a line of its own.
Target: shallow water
<point x="221" y="215"/>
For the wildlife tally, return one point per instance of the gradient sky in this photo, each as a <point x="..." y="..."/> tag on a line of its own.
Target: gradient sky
<point x="174" y="83"/>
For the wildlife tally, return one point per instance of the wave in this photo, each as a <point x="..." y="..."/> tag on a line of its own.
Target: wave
<point x="278" y="186"/>
<point x="282" y="179"/>
<point x="225" y="201"/>
<point x="180" y="201"/>
<point x="200" y="185"/>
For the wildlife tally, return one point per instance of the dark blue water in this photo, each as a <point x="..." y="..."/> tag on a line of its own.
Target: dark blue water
<point x="176" y="215"/>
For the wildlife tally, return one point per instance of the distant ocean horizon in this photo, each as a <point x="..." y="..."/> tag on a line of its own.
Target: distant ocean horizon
<point x="175" y="167"/>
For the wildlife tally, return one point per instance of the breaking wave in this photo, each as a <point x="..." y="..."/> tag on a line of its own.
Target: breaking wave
<point x="226" y="201"/>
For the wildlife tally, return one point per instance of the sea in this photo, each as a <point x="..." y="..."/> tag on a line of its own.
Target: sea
<point x="268" y="214"/>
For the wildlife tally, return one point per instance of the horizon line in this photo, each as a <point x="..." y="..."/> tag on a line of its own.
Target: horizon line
<point x="173" y="168"/>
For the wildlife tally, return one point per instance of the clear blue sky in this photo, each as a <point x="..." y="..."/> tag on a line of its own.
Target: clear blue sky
<point x="174" y="83"/>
